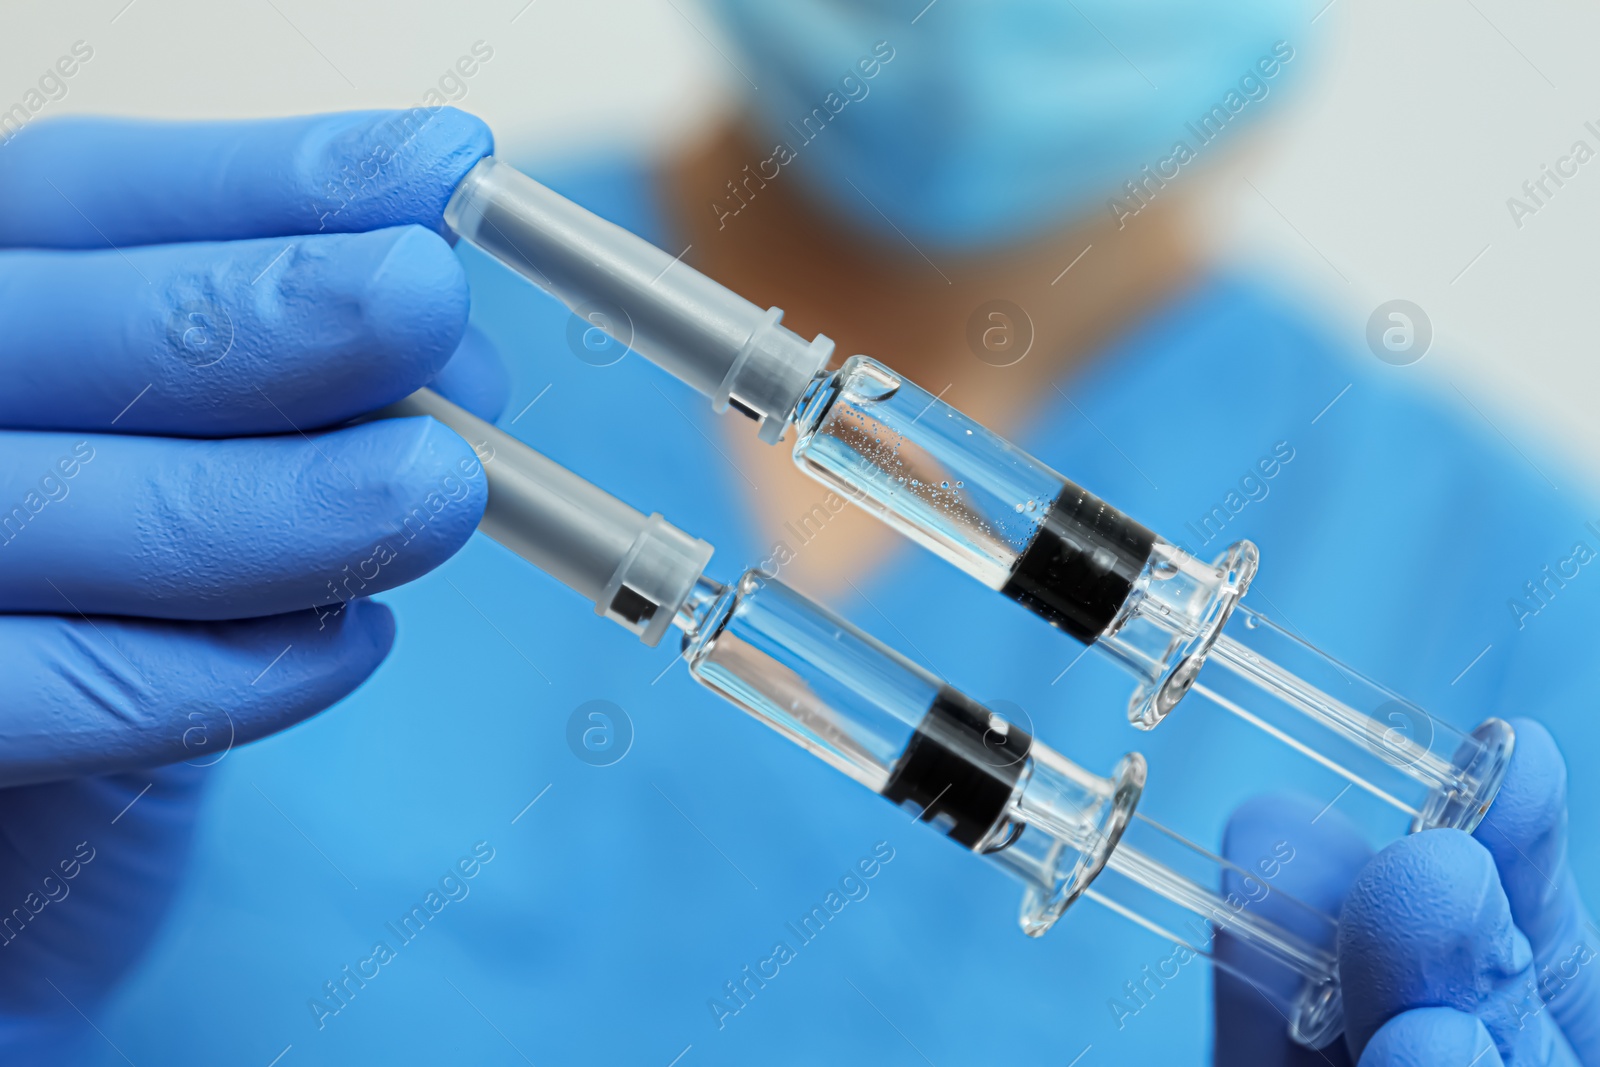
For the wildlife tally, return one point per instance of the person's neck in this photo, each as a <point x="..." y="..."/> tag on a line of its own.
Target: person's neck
<point x="922" y="312"/>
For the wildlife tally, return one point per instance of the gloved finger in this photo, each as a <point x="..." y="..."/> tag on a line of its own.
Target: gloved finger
<point x="1427" y="925"/>
<point x="476" y="377"/>
<point x="216" y="339"/>
<point x="1428" y="1037"/>
<point x="97" y="182"/>
<point x="173" y="529"/>
<point x="87" y="867"/>
<point x="96" y="695"/>
<point x="1526" y="833"/>
<point x="1294" y="858"/>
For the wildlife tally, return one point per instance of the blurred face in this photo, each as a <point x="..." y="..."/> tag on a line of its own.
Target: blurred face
<point x="972" y="125"/>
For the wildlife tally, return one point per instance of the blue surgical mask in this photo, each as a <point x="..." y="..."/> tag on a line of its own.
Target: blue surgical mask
<point x="977" y="123"/>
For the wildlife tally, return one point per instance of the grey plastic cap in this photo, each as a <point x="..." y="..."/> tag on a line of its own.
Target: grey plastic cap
<point x="637" y="569"/>
<point x="697" y="330"/>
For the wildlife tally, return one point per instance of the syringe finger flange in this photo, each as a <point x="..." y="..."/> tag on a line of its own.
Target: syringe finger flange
<point x="1170" y="620"/>
<point x="1480" y="764"/>
<point x="1059" y="866"/>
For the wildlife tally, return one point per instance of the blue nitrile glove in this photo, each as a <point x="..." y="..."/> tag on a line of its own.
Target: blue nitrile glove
<point x="1452" y="949"/>
<point x="1295" y="849"/>
<point x="1487" y="930"/>
<point x="188" y="308"/>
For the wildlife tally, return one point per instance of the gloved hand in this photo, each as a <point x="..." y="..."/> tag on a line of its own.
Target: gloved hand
<point x="1452" y="949"/>
<point x="184" y="542"/>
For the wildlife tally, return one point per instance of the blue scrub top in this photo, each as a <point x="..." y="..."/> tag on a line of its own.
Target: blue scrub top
<point x="601" y="924"/>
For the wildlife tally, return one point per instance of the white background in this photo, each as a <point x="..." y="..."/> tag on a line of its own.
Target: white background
<point x="1389" y="178"/>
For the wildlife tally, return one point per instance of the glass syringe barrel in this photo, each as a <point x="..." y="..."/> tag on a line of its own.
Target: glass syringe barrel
<point x="993" y="789"/>
<point x="944" y="480"/>
<point x="968" y="495"/>
<point x="974" y="498"/>
<point x="898" y="729"/>
<point x="1019" y="527"/>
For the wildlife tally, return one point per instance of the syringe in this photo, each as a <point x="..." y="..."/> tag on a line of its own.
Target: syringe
<point x="902" y="732"/>
<point x="1005" y="518"/>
